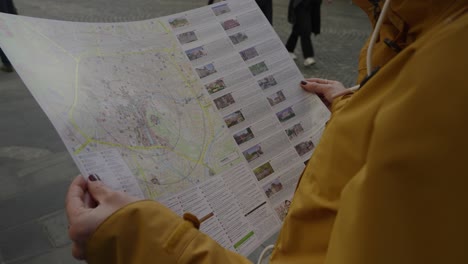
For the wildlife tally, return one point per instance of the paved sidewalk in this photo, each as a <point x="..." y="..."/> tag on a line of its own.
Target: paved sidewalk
<point x="35" y="168"/>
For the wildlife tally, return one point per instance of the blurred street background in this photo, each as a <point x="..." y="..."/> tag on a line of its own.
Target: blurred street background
<point x="35" y="168"/>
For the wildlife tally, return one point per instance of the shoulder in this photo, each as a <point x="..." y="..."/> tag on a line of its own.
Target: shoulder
<point x="440" y="58"/>
<point x="445" y="44"/>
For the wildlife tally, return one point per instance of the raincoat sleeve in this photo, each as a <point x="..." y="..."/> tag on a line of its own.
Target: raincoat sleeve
<point x="340" y="102"/>
<point x="148" y="232"/>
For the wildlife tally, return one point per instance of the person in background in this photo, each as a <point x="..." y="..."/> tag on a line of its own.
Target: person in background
<point x="267" y="8"/>
<point x="304" y="15"/>
<point x="265" y="5"/>
<point x="387" y="184"/>
<point x="6" y="6"/>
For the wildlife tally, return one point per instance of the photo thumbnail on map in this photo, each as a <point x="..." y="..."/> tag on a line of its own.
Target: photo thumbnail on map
<point x="234" y="119"/>
<point x="273" y="187"/>
<point x="230" y="24"/>
<point x="221" y="9"/>
<point x="258" y="68"/>
<point x="196" y="53"/>
<point x="243" y="136"/>
<point x="286" y="114"/>
<point x="249" y="53"/>
<point x="253" y="153"/>
<point x="282" y="209"/>
<point x="224" y="101"/>
<point x="215" y="87"/>
<point x="187" y="37"/>
<point x="276" y="98"/>
<point x="294" y="131"/>
<point x="178" y="22"/>
<point x="304" y="147"/>
<point x="267" y="82"/>
<point x="238" y="38"/>
<point x="206" y="70"/>
<point x="263" y="171"/>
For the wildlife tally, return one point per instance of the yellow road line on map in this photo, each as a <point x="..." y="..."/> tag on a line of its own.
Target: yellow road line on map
<point x="87" y="54"/>
<point x="205" y="112"/>
<point x="99" y="52"/>
<point x="90" y="140"/>
<point x="142" y="173"/>
<point x="75" y="102"/>
<point x="163" y="26"/>
<point x="150" y="148"/>
<point x="83" y="146"/>
<point x="47" y="38"/>
<point x="77" y="63"/>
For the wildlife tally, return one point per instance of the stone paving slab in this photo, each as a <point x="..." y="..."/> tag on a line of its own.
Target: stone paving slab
<point x="35" y="169"/>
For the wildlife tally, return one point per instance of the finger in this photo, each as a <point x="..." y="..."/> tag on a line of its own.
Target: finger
<point x="97" y="189"/>
<point x="75" y="196"/>
<point x="78" y="251"/>
<point x="315" y="87"/>
<point x="90" y="202"/>
<point x="319" y="80"/>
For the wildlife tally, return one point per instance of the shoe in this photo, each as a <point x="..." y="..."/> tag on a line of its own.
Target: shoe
<point x="309" y="61"/>
<point x="5" y="68"/>
<point x="293" y="56"/>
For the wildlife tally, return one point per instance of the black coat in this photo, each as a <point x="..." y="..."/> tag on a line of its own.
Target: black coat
<point x="7" y="6"/>
<point x="314" y="10"/>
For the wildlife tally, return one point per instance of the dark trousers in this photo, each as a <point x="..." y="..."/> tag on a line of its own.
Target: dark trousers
<point x="302" y="28"/>
<point x="267" y="8"/>
<point x="5" y="60"/>
<point x="265" y="5"/>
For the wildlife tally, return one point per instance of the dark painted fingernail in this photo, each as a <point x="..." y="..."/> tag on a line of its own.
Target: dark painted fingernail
<point x="92" y="178"/>
<point x="303" y="82"/>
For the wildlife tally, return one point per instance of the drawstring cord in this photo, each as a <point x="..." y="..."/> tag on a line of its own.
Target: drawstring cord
<point x="370" y="48"/>
<point x="374" y="36"/>
<point x="262" y="255"/>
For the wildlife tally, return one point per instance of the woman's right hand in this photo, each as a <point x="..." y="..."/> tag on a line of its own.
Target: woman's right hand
<point x="85" y="215"/>
<point x="327" y="90"/>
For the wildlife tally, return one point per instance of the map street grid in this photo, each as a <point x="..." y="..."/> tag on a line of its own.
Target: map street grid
<point x="144" y="99"/>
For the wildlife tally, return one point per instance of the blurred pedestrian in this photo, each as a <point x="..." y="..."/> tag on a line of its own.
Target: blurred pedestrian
<point x="6" y="6"/>
<point x="267" y="8"/>
<point x="305" y="17"/>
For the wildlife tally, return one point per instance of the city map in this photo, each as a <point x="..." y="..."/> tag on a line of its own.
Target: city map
<point x="130" y="87"/>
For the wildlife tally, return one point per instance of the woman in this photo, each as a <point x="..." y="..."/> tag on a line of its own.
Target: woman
<point x="305" y="17"/>
<point x="386" y="184"/>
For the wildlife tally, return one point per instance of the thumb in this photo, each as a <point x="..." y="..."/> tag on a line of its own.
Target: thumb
<point x="315" y="87"/>
<point x="97" y="189"/>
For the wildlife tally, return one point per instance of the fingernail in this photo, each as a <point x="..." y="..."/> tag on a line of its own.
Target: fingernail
<point x="92" y="178"/>
<point x="303" y="82"/>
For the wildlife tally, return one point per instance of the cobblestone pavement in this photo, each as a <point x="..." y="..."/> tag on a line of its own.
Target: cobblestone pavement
<point x="35" y="168"/>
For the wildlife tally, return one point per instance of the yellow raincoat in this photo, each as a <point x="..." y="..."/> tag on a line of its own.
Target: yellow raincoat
<point x="388" y="182"/>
